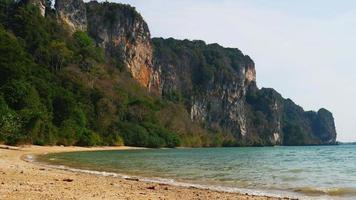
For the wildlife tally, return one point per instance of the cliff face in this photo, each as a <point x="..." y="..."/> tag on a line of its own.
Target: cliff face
<point x="124" y="35"/>
<point x="119" y="30"/>
<point x="210" y="80"/>
<point x="216" y="85"/>
<point x="72" y="13"/>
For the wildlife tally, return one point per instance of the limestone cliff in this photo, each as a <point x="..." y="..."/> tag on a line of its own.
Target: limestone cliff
<point x="125" y="36"/>
<point x="216" y="85"/>
<point x="72" y="13"/>
<point x="211" y="80"/>
<point x="119" y="30"/>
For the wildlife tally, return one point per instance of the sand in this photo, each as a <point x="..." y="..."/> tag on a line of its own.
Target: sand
<point x="20" y="179"/>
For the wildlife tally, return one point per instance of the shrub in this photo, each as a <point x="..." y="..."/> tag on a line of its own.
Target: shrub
<point x="85" y="52"/>
<point x="133" y="134"/>
<point x="89" y="138"/>
<point x="20" y="94"/>
<point x="69" y="132"/>
<point x="10" y="125"/>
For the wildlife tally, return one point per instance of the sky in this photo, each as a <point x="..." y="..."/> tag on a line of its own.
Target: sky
<point x="304" y="49"/>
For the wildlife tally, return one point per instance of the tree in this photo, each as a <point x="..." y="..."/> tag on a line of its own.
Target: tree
<point x="14" y="61"/>
<point x="20" y="94"/>
<point x="28" y="24"/>
<point x="5" y="6"/>
<point x="63" y="107"/>
<point x="60" y="55"/>
<point x="9" y="124"/>
<point x="86" y="54"/>
<point x="89" y="138"/>
<point x="44" y="105"/>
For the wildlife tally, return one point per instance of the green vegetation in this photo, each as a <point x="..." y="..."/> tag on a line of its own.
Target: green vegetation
<point x="205" y="71"/>
<point x="60" y="88"/>
<point x="297" y="125"/>
<point x="57" y="89"/>
<point x="207" y="62"/>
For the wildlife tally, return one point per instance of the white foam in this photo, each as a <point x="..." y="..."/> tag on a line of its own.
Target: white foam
<point x="173" y="182"/>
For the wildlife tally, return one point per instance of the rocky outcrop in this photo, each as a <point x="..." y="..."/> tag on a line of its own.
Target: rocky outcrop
<point x="265" y="122"/>
<point x="218" y="87"/>
<point x="40" y="4"/>
<point x="324" y="126"/>
<point x="119" y="30"/>
<point x="72" y="13"/>
<point x="212" y="81"/>
<point x="125" y="36"/>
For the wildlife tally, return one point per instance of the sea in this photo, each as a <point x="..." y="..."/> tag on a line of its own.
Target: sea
<point x="306" y="172"/>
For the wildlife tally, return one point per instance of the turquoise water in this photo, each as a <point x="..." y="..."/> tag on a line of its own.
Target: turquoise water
<point x="314" y="172"/>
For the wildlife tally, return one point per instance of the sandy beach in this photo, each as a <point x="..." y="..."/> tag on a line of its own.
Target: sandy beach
<point x="20" y="179"/>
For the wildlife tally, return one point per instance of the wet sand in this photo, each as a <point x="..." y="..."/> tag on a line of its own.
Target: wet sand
<point x="20" y="179"/>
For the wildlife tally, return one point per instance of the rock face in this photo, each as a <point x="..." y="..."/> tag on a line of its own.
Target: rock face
<point x="211" y="80"/>
<point x="41" y="4"/>
<point x="118" y="29"/>
<point x="72" y="13"/>
<point x="324" y="126"/>
<point x="218" y="87"/>
<point x="125" y="36"/>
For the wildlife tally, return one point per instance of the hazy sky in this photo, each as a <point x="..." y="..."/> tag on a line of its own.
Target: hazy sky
<point x="305" y="49"/>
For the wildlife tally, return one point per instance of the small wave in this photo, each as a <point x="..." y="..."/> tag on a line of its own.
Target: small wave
<point x="306" y="193"/>
<point x="341" y="192"/>
<point x="173" y="182"/>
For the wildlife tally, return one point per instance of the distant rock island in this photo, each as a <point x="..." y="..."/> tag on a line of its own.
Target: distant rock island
<point x="90" y="74"/>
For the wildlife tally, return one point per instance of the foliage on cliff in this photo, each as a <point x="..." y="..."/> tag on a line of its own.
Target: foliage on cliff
<point x="208" y="62"/>
<point x="79" y="88"/>
<point x="297" y="126"/>
<point x="215" y="84"/>
<point x="57" y="89"/>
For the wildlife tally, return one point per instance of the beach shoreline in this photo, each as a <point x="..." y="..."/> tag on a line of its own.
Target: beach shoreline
<point x="22" y="179"/>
